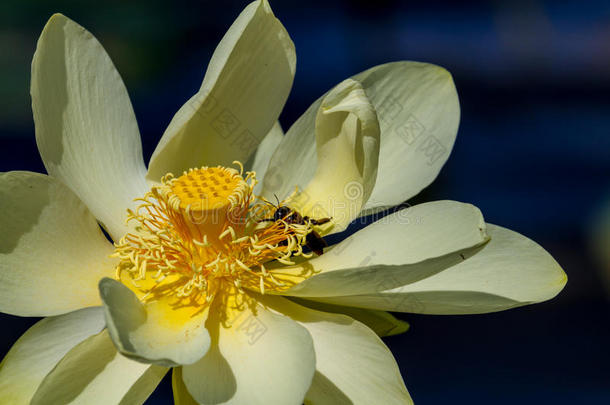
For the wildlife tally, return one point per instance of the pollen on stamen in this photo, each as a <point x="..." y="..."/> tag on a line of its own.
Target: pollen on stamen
<point x="200" y="233"/>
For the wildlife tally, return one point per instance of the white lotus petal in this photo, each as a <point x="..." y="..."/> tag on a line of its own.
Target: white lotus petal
<point x="52" y="252"/>
<point x="181" y="394"/>
<point x="35" y="354"/>
<point x="353" y="366"/>
<point x="401" y="248"/>
<point x="95" y="373"/>
<point x="347" y="149"/>
<point x="85" y="126"/>
<point x="257" y="357"/>
<point x="381" y="322"/>
<point x="161" y="332"/>
<point x="418" y="112"/>
<point x="260" y="159"/>
<point x="242" y="94"/>
<point x="509" y="271"/>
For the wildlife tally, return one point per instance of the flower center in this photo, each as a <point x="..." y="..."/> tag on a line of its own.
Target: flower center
<point x="205" y="232"/>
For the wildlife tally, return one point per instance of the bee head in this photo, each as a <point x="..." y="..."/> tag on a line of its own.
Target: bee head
<point x="281" y="212"/>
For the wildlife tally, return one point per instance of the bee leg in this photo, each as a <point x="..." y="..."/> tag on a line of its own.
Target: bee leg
<point x="319" y="221"/>
<point x="266" y="220"/>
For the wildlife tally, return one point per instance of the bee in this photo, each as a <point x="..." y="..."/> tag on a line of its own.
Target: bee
<point x="284" y="213"/>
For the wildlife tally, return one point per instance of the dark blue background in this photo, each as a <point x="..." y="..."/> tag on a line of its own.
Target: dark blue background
<point x="533" y="152"/>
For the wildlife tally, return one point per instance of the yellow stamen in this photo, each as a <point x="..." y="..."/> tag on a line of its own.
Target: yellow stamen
<point x="201" y="233"/>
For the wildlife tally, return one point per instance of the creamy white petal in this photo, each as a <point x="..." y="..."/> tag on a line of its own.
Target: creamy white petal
<point x="259" y="161"/>
<point x="257" y="357"/>
<point x="347" y="150"/>
<point x="244" y="90"/>
<point x="144" y="386"/>
<point x="35" y="354"/>
<point x="381" y="322"/>
<point x="181" y="394"/>
<point x="509" y="271"/>
<point x="353" y="365"/>
<point x="401" y="248"/>
<point x="52" y="251"/>
<point x="95" y="373"/>
<point x="162" y="331"/>
<point x="86" y="130"/>
<point x="418" y="112"/>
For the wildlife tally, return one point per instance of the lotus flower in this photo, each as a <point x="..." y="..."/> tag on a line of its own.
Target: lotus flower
<point x="210" y="272"/>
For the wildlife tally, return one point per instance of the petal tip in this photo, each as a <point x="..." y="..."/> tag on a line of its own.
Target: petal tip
<point x="56" y="20"/>
<point x="105" y="285"/>
<point x="563" y="280"/>
<point x="266" y="6"/>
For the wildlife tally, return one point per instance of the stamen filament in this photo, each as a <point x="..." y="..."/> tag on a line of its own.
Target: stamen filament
<point x="180" y="239"/>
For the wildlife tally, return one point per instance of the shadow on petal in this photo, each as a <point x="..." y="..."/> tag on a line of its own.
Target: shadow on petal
<point x="328" y="389"/>
<point x="213" y="374"/>
<point x="34" y="200"/>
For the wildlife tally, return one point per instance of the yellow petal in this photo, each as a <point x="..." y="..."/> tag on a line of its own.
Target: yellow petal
<point x="164" y="331"/>
<point x="86" y="130"/>
<point x="381" y="322"/>
<point x="242" y="94"/>
<point x="95" y="373"/>
<point x="353" y="365"/>
<point x="39" y="350"/>
<point x="510" y="271"/>
<point x="401" y="248"/>
<point x="181" y="394"/>
<point x="260" y="159"/>
<point x="52" y="251"/>
<point x="257" y="357"/>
